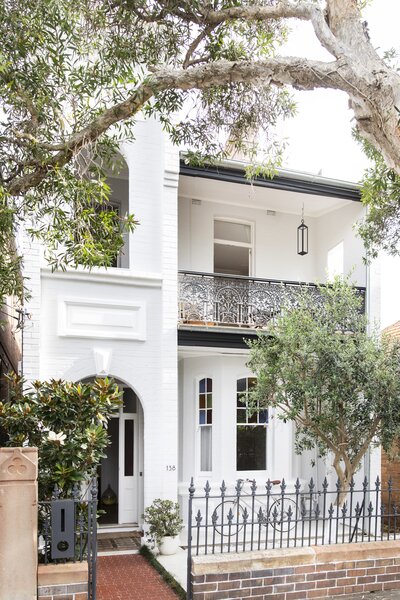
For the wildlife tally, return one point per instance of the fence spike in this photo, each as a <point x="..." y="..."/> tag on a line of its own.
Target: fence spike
<point x="207" y="488"/>
<point x="325" y="484"/>
<point x="297" y="486"/>
<point x="283" y="486"/>
<point x="253" y="487"/>
<point x="352" y="484"/>
<point x="223" y="488"/>
<point x="311" y="485"/>
<point x="268" y="486"/>
<point x="377" y="483"/>
<point x="198" y="518"/>
<point x="239" y="486"/>
<point x="192" y="489"/>
<point x="365" y="484"/>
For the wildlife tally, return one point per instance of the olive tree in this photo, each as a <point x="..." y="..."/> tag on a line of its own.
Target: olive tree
<point x="340" y="386"/>
<point x="75" y="74"/>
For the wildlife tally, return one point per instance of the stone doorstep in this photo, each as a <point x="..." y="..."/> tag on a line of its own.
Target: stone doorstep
<point x="287" y="557"/>
<point x="62" y="574"/>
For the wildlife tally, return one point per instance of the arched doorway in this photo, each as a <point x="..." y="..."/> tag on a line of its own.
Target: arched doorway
<point x="120" y="471"/>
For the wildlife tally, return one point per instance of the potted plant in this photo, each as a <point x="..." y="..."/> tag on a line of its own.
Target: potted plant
<point x="165" y="524"/>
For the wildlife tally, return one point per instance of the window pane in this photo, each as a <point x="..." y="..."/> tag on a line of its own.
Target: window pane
<point x="241" y="385"/>
<point x="209" y="400"/>
<point x="233" y="232"/>
<point x="251" y="448"/>
<point x="252" y="417"/>
<point x="129" y="401"/>
<point x="241" y="416"/>
<point x="202" y="386"/>
<point x="241" y="400"/>
<point x="209" y="385"/>
<point x="128" y="447"/>
<point x="231" y="260"/>
<point x="202" y="401"/>
<point x="209" y="417"/>
<point x="206" y="449"/>
<point x="263" y="416"/>
<point x="202" y="417"/>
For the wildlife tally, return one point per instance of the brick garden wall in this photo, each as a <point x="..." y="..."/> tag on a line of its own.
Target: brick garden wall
<point x="67" y="581"/>
<point x="298" y="573"/>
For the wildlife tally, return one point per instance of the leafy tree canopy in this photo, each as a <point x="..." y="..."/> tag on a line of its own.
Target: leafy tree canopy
<point x="318" y="367"/>
<point x="66" y="422"/>
<point x="74" y="74"/>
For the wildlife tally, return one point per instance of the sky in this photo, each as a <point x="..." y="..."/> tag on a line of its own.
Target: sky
<point x="319" y="136"/>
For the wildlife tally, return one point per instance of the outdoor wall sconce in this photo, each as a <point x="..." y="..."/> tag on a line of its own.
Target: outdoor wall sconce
<point x="302" y="236"/>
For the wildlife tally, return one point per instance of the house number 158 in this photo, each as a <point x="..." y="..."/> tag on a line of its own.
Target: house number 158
<point x="171" y="468"/>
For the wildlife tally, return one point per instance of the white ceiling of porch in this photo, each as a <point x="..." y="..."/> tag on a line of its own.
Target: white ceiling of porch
<point x="209" y="190"/>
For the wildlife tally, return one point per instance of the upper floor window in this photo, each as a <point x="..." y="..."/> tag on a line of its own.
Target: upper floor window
<point x="232" y="247"/>
<point x="251" y="426"/>
<point x="205" y="408"/>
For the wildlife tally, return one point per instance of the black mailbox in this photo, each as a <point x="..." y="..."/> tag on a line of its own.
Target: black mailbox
<point x="62" y="529"/>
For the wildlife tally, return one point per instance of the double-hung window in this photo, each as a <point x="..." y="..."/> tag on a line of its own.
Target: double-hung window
<point x="251" y="429"/>
<point x="205" y="410"/>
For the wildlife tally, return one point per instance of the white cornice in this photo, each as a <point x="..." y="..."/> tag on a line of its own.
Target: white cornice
<point x="111" y="276"/>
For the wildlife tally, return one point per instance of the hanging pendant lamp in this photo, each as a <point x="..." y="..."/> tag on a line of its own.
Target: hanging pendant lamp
<point x="302" y="236"/>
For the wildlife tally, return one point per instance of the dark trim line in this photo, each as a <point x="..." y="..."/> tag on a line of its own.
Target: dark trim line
<point x="214" y="339"/>
<point x="280" y="182"/>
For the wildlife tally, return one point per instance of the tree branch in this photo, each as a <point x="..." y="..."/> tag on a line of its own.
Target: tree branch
<point x="194" y="45"/>
<point x="300" y="73"/>
<point x="284" y="10"/>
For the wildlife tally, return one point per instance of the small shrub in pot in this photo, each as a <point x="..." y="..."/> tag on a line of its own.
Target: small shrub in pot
<point x="165" y="524"/>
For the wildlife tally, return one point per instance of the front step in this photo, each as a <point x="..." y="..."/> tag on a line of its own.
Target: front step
<point x="118" y="542"/>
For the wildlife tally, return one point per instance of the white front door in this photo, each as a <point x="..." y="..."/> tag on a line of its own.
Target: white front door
<point x="128" y="468"/>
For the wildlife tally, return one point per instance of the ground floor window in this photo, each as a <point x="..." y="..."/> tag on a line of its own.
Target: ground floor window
<point x="205" y="423"/>
<point x="251" y="434"/>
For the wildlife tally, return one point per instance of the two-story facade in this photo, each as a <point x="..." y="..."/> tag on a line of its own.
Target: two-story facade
<point x="206" y="269"/>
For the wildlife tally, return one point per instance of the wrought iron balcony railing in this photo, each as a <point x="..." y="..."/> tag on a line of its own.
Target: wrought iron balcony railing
<point x="232" y="300"/>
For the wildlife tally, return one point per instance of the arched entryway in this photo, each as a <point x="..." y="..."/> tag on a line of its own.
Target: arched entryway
<point x="120" y="474"/>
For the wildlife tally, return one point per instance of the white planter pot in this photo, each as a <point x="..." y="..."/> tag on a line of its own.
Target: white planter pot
<point x="169" y="545"/>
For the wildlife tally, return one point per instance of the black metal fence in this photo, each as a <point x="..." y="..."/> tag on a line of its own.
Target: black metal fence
<point x="236" y="300"/>
<point x="68" y="530"/>
<point x="277" y="515"/>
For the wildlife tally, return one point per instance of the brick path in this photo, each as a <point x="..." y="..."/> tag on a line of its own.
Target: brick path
<point x="130" y="577"/>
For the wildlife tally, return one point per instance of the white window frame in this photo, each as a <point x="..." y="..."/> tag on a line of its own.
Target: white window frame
<point x="253" y="474"/>
<point x="250" y="245"/>
<point x="206" y="474"/>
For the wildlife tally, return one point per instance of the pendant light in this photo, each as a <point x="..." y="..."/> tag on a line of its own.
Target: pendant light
<point x="302" y="236"/>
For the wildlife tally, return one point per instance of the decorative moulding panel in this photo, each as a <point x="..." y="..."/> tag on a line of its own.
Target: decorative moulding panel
<point x="99" y="319"/>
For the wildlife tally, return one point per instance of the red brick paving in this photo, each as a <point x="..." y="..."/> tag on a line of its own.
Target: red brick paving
<point x="130" y="577"/>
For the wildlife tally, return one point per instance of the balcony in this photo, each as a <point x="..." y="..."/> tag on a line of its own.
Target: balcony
<point x="235" y="301"/>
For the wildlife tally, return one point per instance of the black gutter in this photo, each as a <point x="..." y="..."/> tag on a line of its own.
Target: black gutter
<point x="279" y="182"/>
<point x="215" y="339"/>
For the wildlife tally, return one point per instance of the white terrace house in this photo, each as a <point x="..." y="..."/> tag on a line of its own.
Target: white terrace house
<point x="207" y="267"/>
